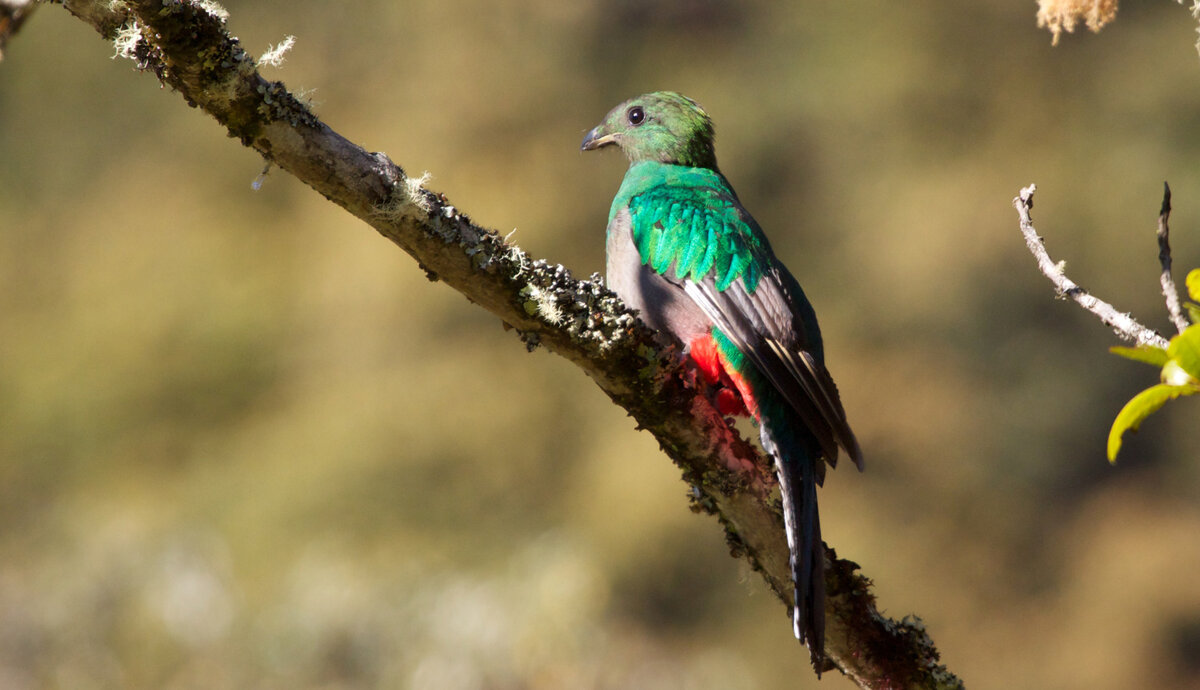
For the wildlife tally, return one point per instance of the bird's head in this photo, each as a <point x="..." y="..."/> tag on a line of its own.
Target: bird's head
<point x="663" y="126"/>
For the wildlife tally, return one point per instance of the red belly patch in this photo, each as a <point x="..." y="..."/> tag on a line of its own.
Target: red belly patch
<point x="733" y="397"/>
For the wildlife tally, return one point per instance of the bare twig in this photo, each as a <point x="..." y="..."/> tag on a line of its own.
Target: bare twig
<point x="185" y="43"/>
<point x="1170" y="292"/>
<point x="1122" y="324"/>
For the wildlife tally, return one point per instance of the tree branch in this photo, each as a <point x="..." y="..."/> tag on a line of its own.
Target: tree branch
<point x="1122" y="324"/>
<point x="1170" y="292"/>
<point x="186" y="45"/>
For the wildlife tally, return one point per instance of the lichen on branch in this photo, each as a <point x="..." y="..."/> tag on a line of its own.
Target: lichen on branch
<point x="1061" y="16"/>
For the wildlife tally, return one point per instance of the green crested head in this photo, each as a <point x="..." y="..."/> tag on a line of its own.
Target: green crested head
<point x="663" y="126"/>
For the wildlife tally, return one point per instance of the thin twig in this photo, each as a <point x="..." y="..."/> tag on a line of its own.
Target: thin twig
<point x="1122" y="324"/>
<point x="1170" y="292"/>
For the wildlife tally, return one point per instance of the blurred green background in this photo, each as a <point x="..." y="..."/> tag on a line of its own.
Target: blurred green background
<point x="244" y="443"/>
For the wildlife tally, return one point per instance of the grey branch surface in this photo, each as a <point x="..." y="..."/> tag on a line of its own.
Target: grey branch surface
<point x="1170" y="292"/>
<point x="1122" y="323"/>
<point x="186" y="45"/>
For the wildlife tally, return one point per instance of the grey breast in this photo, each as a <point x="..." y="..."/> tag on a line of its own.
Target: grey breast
<point x="663" y="304"/>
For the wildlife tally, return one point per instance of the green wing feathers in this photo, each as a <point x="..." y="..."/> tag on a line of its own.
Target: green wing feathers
<point x="687" y="222"/>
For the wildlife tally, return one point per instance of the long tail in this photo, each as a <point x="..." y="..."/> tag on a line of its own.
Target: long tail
<point x="796" y="469"/>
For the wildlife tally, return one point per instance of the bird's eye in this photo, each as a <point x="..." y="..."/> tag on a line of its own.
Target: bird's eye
<point x="636" y="115"/>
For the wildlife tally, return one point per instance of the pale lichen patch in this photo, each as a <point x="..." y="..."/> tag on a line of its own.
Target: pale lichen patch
<point x="125" y="43"/>
<point x="1061" y="16"/>
<point x="276" y="54"/>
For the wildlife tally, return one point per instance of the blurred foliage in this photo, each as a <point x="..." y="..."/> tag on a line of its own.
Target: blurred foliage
<point x="244" y="443"/>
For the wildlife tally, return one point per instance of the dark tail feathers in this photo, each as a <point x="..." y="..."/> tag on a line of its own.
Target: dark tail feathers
<point x="798" y="490"/>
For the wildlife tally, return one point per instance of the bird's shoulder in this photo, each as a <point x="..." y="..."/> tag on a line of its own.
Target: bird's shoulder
<point x="689" y="224"/>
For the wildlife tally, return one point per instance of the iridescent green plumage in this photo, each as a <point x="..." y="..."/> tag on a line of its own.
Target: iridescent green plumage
<point x="674" y="130"/>
<point x="684" y="252"/>
<point x="687" y="223"/>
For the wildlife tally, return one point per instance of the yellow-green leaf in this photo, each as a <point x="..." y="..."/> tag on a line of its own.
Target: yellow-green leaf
<point x="1142" y="353"/>
<point x="1193" y="284"/>
<point x="1141" y="406"/>
<point x="1185" y="349"/>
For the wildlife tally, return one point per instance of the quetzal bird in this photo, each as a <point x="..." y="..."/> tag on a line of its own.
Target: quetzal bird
<point x="683" y="251"/>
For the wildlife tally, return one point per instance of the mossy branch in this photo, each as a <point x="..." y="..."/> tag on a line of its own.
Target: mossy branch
<point x="187" y="46"/>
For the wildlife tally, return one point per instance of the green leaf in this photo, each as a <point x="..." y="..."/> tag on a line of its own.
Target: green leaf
<point x="1149" y="354"/>
<point x="1185" y="349"/>
<point x="1139" y="408"/>
<point x="1193" y="312"/>
<point x="1193" y="284"/>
